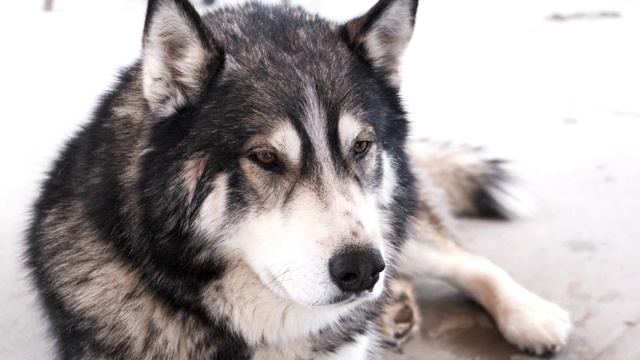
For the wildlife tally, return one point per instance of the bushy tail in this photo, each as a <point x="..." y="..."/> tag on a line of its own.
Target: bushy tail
<point x="474" y="184"/>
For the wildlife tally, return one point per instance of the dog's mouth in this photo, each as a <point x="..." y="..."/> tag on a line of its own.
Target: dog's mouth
<point x="348" y="298"/>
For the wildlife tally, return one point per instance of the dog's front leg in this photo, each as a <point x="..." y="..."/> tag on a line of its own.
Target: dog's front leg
<point x="526" y="320"/>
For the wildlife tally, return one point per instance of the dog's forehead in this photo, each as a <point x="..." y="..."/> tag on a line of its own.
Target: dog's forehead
<point x="282" y="45"/>
<point x="254" y="25"/>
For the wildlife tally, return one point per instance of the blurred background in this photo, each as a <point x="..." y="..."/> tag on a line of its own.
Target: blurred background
<point x="551" y="85"/>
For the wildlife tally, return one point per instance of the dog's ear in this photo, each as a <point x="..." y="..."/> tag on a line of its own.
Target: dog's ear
<point x="179" y="56"/>
<point x="383" y="33"/>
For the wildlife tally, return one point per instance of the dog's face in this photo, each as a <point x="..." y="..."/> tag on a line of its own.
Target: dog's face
<point x="295" y="138"/>
<point x="309" y="200"/>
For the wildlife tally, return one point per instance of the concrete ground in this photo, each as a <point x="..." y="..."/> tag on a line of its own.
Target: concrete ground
<point x="554" y="86"/>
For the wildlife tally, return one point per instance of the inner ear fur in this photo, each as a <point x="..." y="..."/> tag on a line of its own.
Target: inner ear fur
<point x="179" y="56"/>
<point x="382" y="35"/>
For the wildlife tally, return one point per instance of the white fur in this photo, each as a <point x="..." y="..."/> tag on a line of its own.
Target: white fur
<point x="358" y="350"/>
<point x="530" y="322"/>
<point x="389" y="181"/>
<point x="287" y="141"/>
<point x="213" y="212"/>
<point x="349" y="129"/>
<point x="316" y="127"/>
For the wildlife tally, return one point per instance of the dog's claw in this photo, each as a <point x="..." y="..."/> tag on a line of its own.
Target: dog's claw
<point x="544" y="352"/>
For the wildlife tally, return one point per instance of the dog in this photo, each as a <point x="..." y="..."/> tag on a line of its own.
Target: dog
<point x="247" y="191"/>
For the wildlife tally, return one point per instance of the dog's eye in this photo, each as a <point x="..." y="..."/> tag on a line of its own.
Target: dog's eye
<point x="360" y="147"/>
<point x="266" y="159"/>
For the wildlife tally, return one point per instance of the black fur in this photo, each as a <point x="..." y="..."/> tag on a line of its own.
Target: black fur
<point x="145" y="219"/>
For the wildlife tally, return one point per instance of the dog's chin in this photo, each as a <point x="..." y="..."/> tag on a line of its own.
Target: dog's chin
<point x="339" y="300"/>
<point x="354" y="298"/>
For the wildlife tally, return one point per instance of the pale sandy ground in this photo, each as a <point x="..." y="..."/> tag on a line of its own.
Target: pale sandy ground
<point x="561" y="99"/>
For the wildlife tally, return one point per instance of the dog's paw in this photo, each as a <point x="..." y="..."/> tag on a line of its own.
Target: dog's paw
<point x="533" y="324"/>
<point x="401" y="317"/>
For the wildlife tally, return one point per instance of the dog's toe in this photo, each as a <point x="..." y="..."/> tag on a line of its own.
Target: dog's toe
<point x="533" y="324"/>
<point x="401" y="318"/>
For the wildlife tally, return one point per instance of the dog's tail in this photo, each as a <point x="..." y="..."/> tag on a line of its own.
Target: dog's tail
<point x="474" y="184"/>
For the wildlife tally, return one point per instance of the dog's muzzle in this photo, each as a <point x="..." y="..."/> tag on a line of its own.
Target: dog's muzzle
<point x="356" y="270"/>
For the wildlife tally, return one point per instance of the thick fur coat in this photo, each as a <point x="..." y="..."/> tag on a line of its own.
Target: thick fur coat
<point x="245" y="191"/>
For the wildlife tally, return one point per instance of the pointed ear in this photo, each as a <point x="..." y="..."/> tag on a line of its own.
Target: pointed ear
<point x="179" y="56"/>
<point x="383" y="33"/>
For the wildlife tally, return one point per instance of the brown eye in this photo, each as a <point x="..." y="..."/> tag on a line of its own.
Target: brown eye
<point x="360" y="147"/>
<point x="266" y="158"/>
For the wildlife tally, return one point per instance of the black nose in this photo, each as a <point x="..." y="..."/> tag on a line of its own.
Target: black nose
<point x="356" y="270"/>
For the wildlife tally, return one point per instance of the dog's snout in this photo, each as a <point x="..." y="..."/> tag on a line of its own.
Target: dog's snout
<point x="356" y="270"/>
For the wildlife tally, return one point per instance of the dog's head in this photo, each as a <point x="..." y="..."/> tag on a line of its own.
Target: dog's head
<point x="292" y="138"/>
